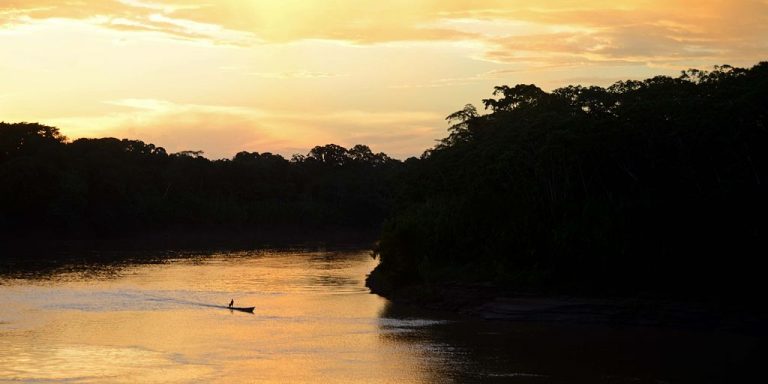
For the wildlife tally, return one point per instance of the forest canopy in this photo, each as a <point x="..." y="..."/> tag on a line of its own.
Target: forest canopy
<point x="655" y="186"/>
<point x="106" y="185"/>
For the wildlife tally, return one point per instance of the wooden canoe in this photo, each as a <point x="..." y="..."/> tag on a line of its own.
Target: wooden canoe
<point x="244" y="309"/>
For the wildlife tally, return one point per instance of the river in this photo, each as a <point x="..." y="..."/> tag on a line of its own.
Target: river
<point x="153" y="320"/>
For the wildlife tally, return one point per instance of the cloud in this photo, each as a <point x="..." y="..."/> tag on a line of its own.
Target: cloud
<point x="165" y="8"/>
<point x="218" y="130"/>
<point x="658" y="32"/>
<point x="294" y="75"/>
<point x="238" y="22"/>
<point x="312" y="72"/>
<point x="557" y="31"/>
<point x="222" y="131"/>
<point x="126" y="15"/>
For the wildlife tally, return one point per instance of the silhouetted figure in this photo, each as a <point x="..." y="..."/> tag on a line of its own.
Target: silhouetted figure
<point x="231" y="303"/>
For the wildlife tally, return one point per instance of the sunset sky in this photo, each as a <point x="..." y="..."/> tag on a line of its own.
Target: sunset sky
<point x="284" y="75"/>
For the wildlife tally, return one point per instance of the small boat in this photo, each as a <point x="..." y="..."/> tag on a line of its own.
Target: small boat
<point x="242" y="309"/>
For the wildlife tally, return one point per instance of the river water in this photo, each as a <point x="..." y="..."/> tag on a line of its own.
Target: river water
<point x="154" y="320"/>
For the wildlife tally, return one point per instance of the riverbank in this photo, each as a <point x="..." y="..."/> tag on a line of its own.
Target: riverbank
<point x="39" y="253"/>
<point x="187" y="239"/>
<point x="491" y="303"/>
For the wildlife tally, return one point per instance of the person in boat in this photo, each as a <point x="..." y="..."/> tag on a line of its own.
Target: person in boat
<point x="231" y="303"/>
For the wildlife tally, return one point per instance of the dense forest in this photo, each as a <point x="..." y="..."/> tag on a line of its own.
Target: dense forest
<point x="643" y="187"/>
<point x="104" y="186"/>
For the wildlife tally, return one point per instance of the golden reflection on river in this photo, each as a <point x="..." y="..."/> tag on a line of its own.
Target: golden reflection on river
<point x="157" y="320"/>
<point x="314" y="322"/>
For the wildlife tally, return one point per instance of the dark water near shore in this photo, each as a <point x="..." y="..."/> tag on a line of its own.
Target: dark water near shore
<point x="152" y="320"/>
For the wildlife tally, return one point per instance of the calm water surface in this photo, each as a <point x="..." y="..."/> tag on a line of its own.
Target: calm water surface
<point x="314" y="322"/>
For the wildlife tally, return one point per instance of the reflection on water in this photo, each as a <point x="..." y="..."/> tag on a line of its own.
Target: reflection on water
<point x="155" y="320"/>
<point x="502" y="352"/>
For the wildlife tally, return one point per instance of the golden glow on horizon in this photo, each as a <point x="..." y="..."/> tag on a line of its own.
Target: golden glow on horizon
<point x="282" y="76"/>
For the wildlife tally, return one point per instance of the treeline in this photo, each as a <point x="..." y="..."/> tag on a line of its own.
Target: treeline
<point x="104" y="186"/>
<point x="651" y="187"/>
<point x="644" y="187"/>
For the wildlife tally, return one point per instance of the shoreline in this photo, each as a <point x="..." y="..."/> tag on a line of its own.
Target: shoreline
<point x="483" y="301"/>
<point x="188" y="239"/>
<point x="36" y="253"/>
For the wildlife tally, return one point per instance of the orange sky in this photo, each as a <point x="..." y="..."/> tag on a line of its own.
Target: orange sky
<point x="228" y="75"/>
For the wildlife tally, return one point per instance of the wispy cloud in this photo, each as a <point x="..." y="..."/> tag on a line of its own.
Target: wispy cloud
<point x="126" y="15"/>
<point x="163" y="7"/>
<point x="222" y="131"/>
<point x="562" y="31"/>
<point x="565" y="31"/>
<point x="294" y="75"/>
<point x="230" y="75"/>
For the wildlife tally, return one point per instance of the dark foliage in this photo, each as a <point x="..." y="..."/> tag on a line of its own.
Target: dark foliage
<point x="644" y="187"/>
<point x="103" y="186"/>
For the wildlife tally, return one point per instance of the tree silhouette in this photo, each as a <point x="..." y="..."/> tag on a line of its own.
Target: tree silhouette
<point x="108" y="185"/>
<point x="644" y="187"/>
